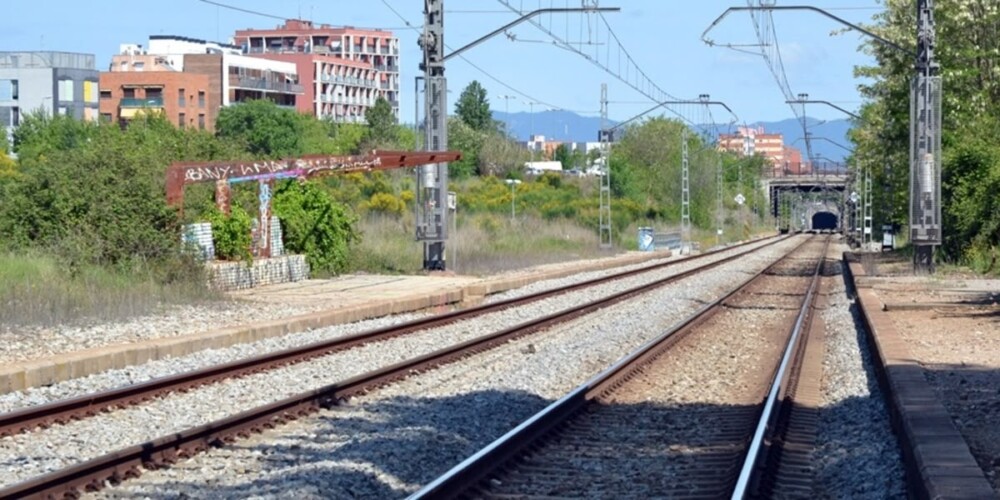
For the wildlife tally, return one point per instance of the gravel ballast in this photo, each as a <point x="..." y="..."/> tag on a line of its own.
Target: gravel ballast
<point x="389" y="442"/>
<point x="140" y="373"/>
<point x="857" y="455"/>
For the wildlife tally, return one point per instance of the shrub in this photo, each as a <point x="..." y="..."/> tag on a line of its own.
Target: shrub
<point x="314" y="224"/>
<point x="232" y="234"/>
<point x="386" y="203"/>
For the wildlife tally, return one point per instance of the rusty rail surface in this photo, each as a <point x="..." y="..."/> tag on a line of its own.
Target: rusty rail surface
<point x="63" y="411"/>
<point x="471" y="477"/>
<point x="123" y="464"/>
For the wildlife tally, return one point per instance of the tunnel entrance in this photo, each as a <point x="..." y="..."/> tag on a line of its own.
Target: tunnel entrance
<point x="824" y="221"/>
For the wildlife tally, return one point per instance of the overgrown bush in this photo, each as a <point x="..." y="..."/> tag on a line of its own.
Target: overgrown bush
<point x="385" y="203"/>
<point x="232" y="234"/>
<point x="314" y="224"/>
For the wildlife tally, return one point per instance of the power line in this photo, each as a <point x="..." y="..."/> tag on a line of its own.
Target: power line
<point x="477" y="67"/>
<point x="633" y="75"/>
<point x="264" y="14"/>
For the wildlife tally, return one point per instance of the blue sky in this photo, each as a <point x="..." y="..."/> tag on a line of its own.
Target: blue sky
<point x="663" y="36"/>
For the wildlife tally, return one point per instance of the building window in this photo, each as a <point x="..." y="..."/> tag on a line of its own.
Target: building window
<point x="8" y="90"/>
<point x="105" y="94"/>
<point x="201" y="121"/>
<point x="105" y="117"/>
<point x="138" y="66"/>
<point x="128" y="93"/>
<point x="15" y="116"/>
<point x="181" y="102"/>
<point x="201" y="98"/>
<point x="66" y="90"/>
<point x="181" y="119"/>
<point x="90" y="91"/>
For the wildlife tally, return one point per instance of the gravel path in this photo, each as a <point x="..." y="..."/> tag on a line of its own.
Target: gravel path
<point x="857" y="455"/>
<point x="391" y="441"/>
<point x="159" y="368"/>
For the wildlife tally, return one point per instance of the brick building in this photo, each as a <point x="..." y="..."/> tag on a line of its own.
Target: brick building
<point x="749" y="141"/>
<point x="343" y="69"/>
<point x="191" y="80"/>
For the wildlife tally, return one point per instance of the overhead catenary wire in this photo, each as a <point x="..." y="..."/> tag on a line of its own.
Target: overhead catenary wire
<point x="632" y="75"/>
<point x="262" y="14"/>
<point x="485" y="73"/>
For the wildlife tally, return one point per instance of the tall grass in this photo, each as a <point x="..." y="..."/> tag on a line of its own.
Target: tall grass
<point x="483" y="243"/>
<point x="37" y="290"/>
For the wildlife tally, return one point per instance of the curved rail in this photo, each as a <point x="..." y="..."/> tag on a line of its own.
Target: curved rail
<point x="84" y="406"/>
<point x="117" y="466"/>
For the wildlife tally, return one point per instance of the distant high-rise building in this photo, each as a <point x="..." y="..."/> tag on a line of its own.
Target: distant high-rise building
<point x="343" y="69"/>
<point x="190" y="80"/>
<point x="50" y="82"/>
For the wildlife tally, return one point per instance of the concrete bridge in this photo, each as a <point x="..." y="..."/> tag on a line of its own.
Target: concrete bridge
<point x="818" y="215"/>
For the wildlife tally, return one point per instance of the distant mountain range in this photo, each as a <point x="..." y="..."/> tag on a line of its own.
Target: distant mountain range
<point x="829" y="137"/>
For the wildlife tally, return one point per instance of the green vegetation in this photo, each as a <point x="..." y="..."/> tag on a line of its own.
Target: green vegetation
<point x="87" y="232"/>
<point x="966" y="48"/>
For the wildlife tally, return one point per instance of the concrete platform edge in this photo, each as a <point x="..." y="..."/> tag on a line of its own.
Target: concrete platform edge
<point x="76" y="364"/>
<point x="938" y="461"/>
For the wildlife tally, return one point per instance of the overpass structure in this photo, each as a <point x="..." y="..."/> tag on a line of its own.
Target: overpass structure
<point x="817" y="199"/>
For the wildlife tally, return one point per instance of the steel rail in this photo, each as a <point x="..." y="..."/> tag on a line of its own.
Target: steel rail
<point x="477" y="467"/>
<point x="123" y="464"/>
<point x="88" y="405"/>
<point x="757" y="450"/>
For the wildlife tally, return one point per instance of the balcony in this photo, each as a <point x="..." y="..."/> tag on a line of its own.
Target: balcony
<point x="148" y="102"/>
<point x="245" y="82"/>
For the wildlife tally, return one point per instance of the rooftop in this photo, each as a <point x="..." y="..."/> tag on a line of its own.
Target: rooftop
<point x="47" y="59"/>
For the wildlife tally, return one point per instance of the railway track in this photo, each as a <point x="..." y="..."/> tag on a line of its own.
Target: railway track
<point x="126" y="463"/>
<point x="63" y="411"/>
<point x="622" y="433"/>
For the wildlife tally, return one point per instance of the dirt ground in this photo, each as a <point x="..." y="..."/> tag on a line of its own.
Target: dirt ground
<point x="951" y="321"/>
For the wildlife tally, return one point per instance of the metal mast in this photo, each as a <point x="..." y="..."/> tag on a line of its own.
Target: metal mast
<point x="866" y="235"/>
<point x="925" y="145"/>
<point x="432" y="180"/>
<point x="605" y="191"/>
<point x="719" y="215"/>
<point x="685" y="193"/>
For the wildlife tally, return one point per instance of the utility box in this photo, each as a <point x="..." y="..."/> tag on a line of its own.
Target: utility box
<point x="888" y="237"/>
<point x="646" y="239"/>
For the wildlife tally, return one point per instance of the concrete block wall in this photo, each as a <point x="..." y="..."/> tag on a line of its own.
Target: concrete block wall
<point x="228" y="276"/>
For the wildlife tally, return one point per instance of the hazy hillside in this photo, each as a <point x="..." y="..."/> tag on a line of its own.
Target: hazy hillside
<point x="569" y="126"/>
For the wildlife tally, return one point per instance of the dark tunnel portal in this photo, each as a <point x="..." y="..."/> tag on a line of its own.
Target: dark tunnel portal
<point x="824" y="220"/>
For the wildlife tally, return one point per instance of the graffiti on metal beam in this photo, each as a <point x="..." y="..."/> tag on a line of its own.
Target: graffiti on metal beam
<point x="277" y="169"/>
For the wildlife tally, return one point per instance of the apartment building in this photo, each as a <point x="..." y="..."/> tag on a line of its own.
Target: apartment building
<point x="749" y="141"/>
<point x="190" y="80"/>
<point x="343" y="69"/>
<point x="46" y="81"/>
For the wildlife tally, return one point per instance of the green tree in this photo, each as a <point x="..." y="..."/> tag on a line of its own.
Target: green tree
<point x="382" y="129"/>
<point x="967" y="44"/>
<point x="561" y="155"/>
<point x="473" y="107"/>
<point x="93" y="194"/>
<point x="265" y="129"/>
<point x="464" y="138"/>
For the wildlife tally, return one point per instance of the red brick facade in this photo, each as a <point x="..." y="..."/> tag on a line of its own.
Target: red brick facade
<point x="183" y="98"/>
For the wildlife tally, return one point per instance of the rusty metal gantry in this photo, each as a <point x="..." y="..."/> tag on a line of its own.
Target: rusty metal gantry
<point x="265" y="172"/>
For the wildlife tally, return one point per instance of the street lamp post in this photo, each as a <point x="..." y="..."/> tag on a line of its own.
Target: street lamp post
<point x="513" y="184"/>
<point x="506" y="110"/>
<point x="531" y="136"/>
